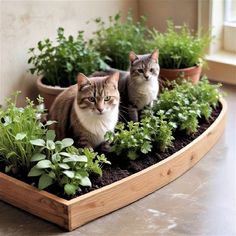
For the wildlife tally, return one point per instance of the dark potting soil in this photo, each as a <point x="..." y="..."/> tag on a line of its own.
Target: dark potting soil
<point x="121" y="167"/>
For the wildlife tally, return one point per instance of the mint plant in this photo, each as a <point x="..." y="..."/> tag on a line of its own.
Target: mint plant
<point x="58" y="162"/>
<point x="17" y="127"/>
<point x="179" y="48"/>
<point x="116" y="40"/>
<point x="60" y="62"/>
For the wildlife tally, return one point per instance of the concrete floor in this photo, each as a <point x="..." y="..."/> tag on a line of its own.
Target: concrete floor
<point x="201" y="202"/>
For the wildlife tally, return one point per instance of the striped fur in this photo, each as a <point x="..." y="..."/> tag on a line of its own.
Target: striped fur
<point x="86" y="111"/>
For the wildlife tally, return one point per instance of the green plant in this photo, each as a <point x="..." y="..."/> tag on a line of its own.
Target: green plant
<point x="61" y="62"/>
<point x="62" y="164"/>
<point x="179" y="48"/>
<point x="186" y="103"/>
<point x="118" y="39"/>
<point x="17" y="127"/>
<point x="139" y="138"/>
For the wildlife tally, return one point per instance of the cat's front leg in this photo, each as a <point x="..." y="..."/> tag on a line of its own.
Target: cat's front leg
<point x="133" y="113"/>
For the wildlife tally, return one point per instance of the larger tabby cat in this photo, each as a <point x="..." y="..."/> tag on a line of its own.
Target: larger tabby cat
<point x="88" y="110"/>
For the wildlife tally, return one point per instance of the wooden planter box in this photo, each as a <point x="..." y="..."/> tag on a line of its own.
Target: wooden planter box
<point x="78" y="211"/>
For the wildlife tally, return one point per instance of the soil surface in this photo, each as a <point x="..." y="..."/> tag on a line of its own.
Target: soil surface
<point x="121" y="167"/>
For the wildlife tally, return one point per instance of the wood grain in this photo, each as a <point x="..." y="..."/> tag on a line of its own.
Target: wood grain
<point x="78" y="211"/>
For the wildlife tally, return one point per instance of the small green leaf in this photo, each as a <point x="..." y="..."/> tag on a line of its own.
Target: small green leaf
<point x="35" y="172"/>
<point x="8" y="168"/>
<point x="50" y="145"/>
<point x="76" y="158"/>
<point x="132" y="155"/>
<point x="67" y="142"/>
<point x="44" y="181"/>
<point x="64" y="166"/>
<point x="20" y="136"/>
<point x="38" y="142"/>
<point x="50" y="122"/>
<point x="69" y="173"/>
<point x="44" y="164"/>
<point x="85" y="182"/>
<point x="38" y="157"/>
<point x="70" y="189"/>
<point x="51" y="135"/>
<point x="56" y="158"/>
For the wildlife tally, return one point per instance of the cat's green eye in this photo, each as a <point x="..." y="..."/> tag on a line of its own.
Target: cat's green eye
<point x="107" y="98"/>
<point x="140" y="70"/>
<point x="92" y="99"/>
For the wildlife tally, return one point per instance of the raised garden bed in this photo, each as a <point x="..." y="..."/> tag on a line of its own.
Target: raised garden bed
<point x="71" y="214"/>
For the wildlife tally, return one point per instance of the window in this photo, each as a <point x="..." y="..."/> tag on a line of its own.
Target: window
<point x="230" y="11"/>
<point x="230" y="26"/>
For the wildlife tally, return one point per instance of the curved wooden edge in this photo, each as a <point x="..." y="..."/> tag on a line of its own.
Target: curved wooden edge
<point x="78" y="211"/>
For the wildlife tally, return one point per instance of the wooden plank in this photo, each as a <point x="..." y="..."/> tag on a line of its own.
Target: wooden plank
<point x="28" y="198"/>
<point x="128" y="190"/>
<point x="78" y="211"/>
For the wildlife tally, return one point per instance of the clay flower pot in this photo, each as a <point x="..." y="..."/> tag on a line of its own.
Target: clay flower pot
<point x="191" y="73"/>
<point x="49" y="93"/>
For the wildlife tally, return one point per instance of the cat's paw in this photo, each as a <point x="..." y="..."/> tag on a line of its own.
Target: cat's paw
<point x="104" y="147"/>
<point x="133" y="114"/>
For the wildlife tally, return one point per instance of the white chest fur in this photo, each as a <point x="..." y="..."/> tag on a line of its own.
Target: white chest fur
<point x="144" y="94"/>
<point x="97" y="125"/>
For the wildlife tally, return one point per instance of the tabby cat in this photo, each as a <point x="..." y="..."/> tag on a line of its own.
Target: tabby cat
<point x="140" y="86"/>
<point x="87" y="110"/>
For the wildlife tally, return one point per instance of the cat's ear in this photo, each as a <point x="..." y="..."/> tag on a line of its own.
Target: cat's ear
<point x="132" y="57"/>
<point x="113" y="79"/>
<point x="154" y="56"/>
<point x="82" y="81"/>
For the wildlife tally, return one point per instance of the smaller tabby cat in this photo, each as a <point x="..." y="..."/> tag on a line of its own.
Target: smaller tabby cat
<point x="86" y="111"/>
<point x="140" y="87"/>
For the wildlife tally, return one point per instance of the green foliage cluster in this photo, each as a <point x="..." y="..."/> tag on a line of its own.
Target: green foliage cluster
<point x="58" y="162"/>
<point x="186" y="103"/>
<point x="60" y="63"/>
<point x="17" y="127"/>
<point x="139" y="137"/>
<point x="178" y="48"/>
<point x="176" y="109"/>
<point x="116" y="40"/>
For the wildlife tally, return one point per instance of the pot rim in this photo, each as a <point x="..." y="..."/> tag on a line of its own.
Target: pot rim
<point x="183" y="69"/>
<point x="43" y="86"/>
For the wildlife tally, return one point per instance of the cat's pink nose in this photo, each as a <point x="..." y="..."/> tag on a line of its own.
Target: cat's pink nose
<point x="100" y="110"/>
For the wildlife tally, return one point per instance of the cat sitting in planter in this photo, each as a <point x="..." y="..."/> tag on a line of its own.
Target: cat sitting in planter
<point x="87" y="110"/>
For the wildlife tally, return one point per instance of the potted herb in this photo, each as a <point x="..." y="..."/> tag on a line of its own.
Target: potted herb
<point x="59" y="63"/>
<point x="116" y="40"/>
<point x="181" y="53"/>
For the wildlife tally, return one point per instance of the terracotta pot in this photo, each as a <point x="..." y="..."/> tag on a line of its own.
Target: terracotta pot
<point x="49" y="93"/>
<point x="191" y="73"/>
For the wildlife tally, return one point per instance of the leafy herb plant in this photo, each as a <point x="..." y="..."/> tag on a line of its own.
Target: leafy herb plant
<point x="60" y="62"/>
<point x="17" y="127"/>
<point x="62" y="164"/>
<point x="116" y="40"/>
<point x="179" y="48"/>
<point x="186" y="103"/>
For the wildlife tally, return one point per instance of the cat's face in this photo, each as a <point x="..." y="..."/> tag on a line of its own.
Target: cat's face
<point x="145" y="68"/>
<point x="98" y="95"/>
